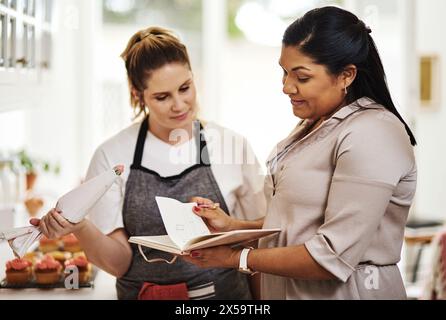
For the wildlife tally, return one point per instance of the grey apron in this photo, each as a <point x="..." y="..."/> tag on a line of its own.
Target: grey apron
<point x="142" y="218"/>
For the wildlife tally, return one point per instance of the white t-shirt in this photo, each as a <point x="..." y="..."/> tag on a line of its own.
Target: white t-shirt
<point x="233" y="163"/>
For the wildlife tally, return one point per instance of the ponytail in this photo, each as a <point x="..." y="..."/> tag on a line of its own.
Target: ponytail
<point x="371" y="82"/>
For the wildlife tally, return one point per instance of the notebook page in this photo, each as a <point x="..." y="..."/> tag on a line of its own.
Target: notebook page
<point x="181" y="223"/>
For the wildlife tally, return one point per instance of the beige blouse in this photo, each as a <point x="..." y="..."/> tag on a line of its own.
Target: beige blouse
<point x="344" y="191"/>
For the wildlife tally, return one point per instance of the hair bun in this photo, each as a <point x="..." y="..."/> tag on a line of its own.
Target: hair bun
<point x="363" y="27"/>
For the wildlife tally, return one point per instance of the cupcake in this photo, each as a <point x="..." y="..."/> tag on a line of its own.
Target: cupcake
<point x="32" y="257"/>
<point x="79" y="254"/>
<point x="83" y="267"/>
<point x="60" y="256"/>
<point x="71" y="243"/>
<point x="47" y="245"/>
<point x="47" y="270"/>
<point x="18" y="271"/>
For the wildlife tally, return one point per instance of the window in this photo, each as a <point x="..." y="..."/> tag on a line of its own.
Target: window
<point x="2" y="40"/>
<point x="46" y="35"/>
<point x="264" y="21"/>
<point x="11" y="42"/>
<point x="24" y="31"/>
<point x="179" y="15"/>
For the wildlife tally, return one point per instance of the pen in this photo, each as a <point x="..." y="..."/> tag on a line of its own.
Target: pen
<point x="209" y="206"/>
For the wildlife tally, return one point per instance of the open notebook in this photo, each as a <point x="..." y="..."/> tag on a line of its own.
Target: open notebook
<point x="187" y="231"/>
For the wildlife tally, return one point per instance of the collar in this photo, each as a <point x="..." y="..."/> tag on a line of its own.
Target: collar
<point x="362" y="103"/>
<point x="300" y="129"/>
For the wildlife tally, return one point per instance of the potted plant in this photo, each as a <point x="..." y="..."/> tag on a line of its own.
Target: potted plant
<point x="28" y="164"/>
<point x="32" y="166"/>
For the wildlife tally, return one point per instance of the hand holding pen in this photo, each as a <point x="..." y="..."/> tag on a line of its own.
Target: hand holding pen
<point x="215" y="218"/>
<point x="213" y="206"/>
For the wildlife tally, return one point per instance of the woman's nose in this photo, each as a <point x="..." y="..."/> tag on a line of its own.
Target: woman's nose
<point x="289" y="87"/>
<point x="177" y="104"/>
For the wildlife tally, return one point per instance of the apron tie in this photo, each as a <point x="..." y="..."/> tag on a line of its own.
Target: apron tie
<point x="156" y="260"/>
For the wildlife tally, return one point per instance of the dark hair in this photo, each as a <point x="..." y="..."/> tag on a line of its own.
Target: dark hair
<point x="336" y="38"/>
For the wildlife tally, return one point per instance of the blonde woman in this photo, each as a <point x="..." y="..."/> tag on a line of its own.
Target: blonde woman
<point x="163" y="90"/>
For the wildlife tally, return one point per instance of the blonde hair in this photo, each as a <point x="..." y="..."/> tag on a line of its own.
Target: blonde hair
<point x="149" y="50"/>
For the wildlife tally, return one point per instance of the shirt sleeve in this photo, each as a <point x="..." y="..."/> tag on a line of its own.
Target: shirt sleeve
<point x="106" y="214"/>
<point x="370" y="159"/>
<point x="251" y="202"/>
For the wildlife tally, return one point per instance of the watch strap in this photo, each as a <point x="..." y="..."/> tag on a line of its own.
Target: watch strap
<point x="243" y="263"/>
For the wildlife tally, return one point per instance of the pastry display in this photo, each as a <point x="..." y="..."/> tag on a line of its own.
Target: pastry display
<point x="47" y="245"/>
<point x="60" y="256"/>
<point x="71" y="243"/>
<point x="83" y="267"/>
<point x="79" y="254"/>
<point x="33" y="257"/>
<point x="47" y="271"/>
<point x="38" y="269"/>
<point x="18" y="271"/>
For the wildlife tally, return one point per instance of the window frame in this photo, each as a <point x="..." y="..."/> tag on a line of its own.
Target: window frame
<point x="22" y="43"/>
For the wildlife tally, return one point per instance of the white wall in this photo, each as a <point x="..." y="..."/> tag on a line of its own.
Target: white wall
<point x="252" y="102"/>
<point x="389" y="21"/>
<point x="430" y="126"/>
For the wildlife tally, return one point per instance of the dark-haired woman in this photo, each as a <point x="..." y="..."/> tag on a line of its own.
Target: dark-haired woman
<point x="341" y="184"/>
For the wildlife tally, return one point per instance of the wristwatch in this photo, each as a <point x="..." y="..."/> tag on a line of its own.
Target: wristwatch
<point x="243" y="264"/>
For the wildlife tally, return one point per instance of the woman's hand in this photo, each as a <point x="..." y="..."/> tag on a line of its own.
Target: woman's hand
<point x="217" y="257"/>
<point x="214" y="217"/>
<point x="54" y="226"/>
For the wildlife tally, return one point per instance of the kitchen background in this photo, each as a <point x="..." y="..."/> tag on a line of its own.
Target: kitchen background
<point x="63" y="88"/>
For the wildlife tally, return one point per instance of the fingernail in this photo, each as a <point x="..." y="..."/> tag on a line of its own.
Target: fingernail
<point x="196" y="209"/>
<point x="195" y="254"/>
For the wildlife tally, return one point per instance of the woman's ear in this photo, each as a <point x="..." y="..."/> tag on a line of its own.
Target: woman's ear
<point x="137" y="96"/>
<point x="135" y="93"/>
<point x="349" y="75"/>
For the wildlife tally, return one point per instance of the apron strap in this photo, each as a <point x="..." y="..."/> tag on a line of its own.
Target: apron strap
<point x="137" y="157"/>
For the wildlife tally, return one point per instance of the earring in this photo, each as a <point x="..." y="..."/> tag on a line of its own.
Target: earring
<point x="345" y="90"/>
